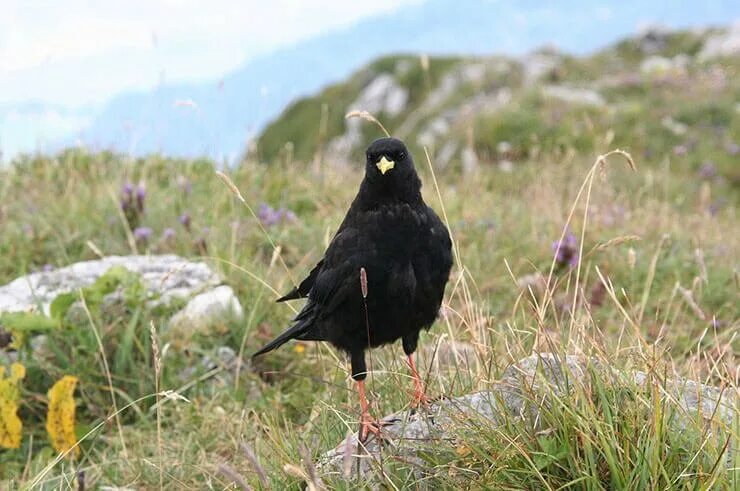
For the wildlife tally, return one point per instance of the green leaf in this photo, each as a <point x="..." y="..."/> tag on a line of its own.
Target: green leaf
<point x="26" y="322"/>
<point x="61" y="304"/>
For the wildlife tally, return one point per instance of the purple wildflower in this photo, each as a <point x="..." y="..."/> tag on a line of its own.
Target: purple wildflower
<point x="680" y="150"/>
<point x="142" y="234"/>
<point x="140" y="196"/>
<point x="168" y="234"/>
<point x="132" y="206"/>
<point x="270" y="216"/>
<point x="185" y="221"/>
<point x="566" y="251"/>
<point x="47" y="268"/>
<point x="732" y="148"/>
<point x="707" y="170"/>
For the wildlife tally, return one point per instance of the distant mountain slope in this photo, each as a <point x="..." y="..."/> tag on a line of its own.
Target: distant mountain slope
<point x="659" y="94"/>
<point x="217" y="118"/>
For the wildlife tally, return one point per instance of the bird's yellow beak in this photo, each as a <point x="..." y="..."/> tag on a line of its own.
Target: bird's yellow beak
<point x="384" y="165"/>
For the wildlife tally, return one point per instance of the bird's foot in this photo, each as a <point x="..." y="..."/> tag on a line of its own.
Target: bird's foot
<point x="420" y="399"/>
<point x="371" y="426"/>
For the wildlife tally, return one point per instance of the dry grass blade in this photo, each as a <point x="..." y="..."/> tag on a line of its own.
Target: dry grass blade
<point x="313" y="478"/>
<point x="688" y="297"/>
<point x="157" y="375"/>
<point x="625" y="239"/>
<point x="237" y="478"/>
<point x="232" y="187"/>
<point x="367" y="117"/>
<point x="255" y="463"/>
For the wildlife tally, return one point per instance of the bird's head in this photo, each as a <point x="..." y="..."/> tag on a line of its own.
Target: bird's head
<point x="388" y="160"/>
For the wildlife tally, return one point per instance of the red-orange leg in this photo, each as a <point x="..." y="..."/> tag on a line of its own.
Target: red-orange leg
<point x="419" y="396"/>
<point x="368" y="424"/>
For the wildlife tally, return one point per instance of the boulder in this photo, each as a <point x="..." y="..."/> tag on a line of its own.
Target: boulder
<point x="410" y="434"/>
<point x="167" y="278"/>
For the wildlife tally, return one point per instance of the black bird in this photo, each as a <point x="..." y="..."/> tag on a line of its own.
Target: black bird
<point x="384" y="274"/>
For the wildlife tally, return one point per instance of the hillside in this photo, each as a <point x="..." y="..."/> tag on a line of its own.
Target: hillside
<point x="624" y="270"/>
<point x="225" y="110"/>
<point x="655" y="95"/>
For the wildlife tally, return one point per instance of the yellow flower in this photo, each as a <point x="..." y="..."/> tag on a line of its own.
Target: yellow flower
<point x="60" y="419"/>
<point x="463" y="450"/>
<point x="299" y="348"/>
<point x="10" y="425"/>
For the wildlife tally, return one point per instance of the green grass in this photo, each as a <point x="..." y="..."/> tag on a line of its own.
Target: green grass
<point x="666" y="239"/>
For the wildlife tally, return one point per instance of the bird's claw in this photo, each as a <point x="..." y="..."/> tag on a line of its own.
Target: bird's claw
<point x="420" y="399"/>
<point x="370" y="425"/>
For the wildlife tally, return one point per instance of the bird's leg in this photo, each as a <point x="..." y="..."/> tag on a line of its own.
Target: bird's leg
<point x="419" y="396"/>
<point x="368" y="424"/>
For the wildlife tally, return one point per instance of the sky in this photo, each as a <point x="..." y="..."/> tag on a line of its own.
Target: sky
<point x="137" y="44"/>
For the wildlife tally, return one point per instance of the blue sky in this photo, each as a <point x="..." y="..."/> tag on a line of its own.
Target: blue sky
<point x="45" y="46"/>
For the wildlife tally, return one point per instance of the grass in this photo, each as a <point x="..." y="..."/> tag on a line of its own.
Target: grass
<point x="656" y="290"/>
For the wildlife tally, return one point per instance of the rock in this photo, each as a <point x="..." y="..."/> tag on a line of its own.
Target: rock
<point x="662" y="66"/>
<point x="675" y="127"/>
<point x="574" y="95"/>
<point x="166" y="278"/>
<point x="222" y="357"/>
<point x="169" y="276"/>
<point x="212" y="306"/>
<point x="411" y="434"/>
<point x="653" y="38"/>
<point x="725" y="43"/>
<point x="383" y="94"/>
<point x="538" y="64"/>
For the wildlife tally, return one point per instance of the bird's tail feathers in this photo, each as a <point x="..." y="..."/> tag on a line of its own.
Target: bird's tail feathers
<point x="295" y="332"/>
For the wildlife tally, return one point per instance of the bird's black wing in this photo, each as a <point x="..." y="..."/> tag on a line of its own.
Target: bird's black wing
<point x="330" y="283"/>
<point x="301" y="291"/>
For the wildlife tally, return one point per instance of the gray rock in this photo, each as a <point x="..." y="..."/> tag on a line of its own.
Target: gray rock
<point x="725" y="43"/>
<point x="574" y="95"/>
<point x="662" y="66"/>
<point x="166" y="278"/>
<point x="410" y="434"/>
<point x="207" y="308"/>
<point x="538" y="64"/>
<point x="383" y="94"/>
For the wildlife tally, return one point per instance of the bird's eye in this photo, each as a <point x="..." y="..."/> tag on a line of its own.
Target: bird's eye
<point x="401" y="155"/>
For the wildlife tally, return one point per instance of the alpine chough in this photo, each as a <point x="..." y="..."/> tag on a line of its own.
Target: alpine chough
<point x="383" y="276"/>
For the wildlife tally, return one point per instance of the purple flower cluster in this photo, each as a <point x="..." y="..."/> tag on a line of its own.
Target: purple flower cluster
<point x="185" y="221"/>
<point x="708" y="170"/>
<point x="566" y="251"/>
<point x="270" y="216"/>
<point x="142" y="234"/>
<point x="132" y="203"/>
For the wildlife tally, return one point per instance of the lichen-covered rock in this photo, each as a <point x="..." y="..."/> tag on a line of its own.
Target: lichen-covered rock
<point x="411" y="434"/>
<point x="166" y="278"/>
<point x="219" y="303"/>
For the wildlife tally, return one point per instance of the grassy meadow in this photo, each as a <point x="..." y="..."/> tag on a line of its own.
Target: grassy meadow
<point x="654" y="287"/>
